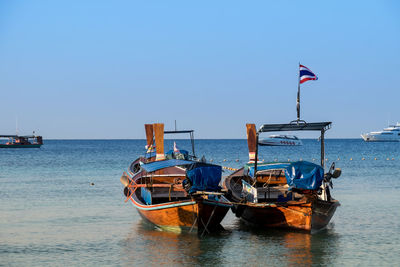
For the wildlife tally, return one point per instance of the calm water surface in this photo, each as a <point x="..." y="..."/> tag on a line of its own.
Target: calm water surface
<point x="50" y="214"/>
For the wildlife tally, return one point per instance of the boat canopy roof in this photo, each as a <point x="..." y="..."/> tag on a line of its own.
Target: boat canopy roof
<point x="299" y="174"/>
<point x="295" y="126"/>
<point x="176" y="132"/>
<point x="162" y="164"/>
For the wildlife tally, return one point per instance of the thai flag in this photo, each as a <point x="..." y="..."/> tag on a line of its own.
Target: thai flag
<point x="306" y="74"/>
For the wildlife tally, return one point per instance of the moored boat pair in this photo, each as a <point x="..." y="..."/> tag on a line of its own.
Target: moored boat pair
<point x="176" y="191"/>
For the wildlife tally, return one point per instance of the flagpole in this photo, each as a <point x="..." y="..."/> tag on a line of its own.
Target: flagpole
<point x="298" y="97"/>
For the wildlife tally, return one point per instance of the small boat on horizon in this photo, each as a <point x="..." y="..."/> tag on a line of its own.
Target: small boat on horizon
<point x="389" y="134"/>
<point x="281" y="140"/>
<point x="175" y="192"/>
<point x="18" y="141"/>
<point x="292" y="195"/>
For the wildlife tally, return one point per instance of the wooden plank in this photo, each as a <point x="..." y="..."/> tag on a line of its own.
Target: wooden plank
<point x="207" y="193"/>
<point x="183" y="216"/>
<point x="162" y="192"/>
<point x="279" y="180"/>
<point x="251" y="141"/>
<point x="159" y="136"/>
<point x="149" y="134"/>
<point x="175" y="186"/>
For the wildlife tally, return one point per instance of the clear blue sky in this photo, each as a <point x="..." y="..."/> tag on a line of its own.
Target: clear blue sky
<point x="101" y="69"/>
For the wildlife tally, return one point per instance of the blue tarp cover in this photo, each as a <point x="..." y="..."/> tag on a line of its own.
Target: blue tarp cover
<point x="204" y="177"/>
<point x="299" y="174"/>
<point x="158" y="165"/>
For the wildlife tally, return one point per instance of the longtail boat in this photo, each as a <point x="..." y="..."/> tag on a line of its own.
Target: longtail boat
<point x="18" y="141"/>
<point x="292" y="195"/>
<point x="175" y="191"/>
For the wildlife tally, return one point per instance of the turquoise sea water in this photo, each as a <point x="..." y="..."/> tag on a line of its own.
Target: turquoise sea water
<point x="51" y="215"/>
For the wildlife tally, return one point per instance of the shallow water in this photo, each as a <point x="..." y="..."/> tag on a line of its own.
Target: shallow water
<point x="50" y="214"/>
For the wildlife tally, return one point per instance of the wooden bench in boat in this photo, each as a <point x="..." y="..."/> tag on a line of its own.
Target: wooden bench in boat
<point x="272" y="180"/>
<point x="156" y="192"/>
<point x="271" y="177"/>
<point x="274" y="192"/>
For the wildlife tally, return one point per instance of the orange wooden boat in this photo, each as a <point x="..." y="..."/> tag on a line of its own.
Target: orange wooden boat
<point x="286" y="195"/>
<point x="175" y="192"/>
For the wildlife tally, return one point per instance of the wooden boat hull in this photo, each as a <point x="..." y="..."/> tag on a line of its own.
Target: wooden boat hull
<point x="302" y="216"/>
<point x="176" y="192"/>
<point x="20" y="146"/>
<point x="200" y="214"/>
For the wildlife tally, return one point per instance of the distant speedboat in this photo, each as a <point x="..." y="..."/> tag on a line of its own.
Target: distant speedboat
<point x="280" y="140"/>
<point x="389" y="134"/>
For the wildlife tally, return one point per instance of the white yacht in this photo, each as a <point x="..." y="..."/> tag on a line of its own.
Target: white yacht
<point x="389" y="134"/>
<point x="280" y="140"/>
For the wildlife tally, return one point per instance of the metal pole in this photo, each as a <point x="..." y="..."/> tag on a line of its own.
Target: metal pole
<point x="298" y="97"/>
<point x="16" y="125"/>
<point x="322" y="149"/>
<point x="256" y="159"/>
<point x="192" y="140"/>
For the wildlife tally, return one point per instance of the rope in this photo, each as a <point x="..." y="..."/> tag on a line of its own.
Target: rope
<point x="229" y="168"/>
<point x="131" y="192"/>
<point x="209" y="219"/>
<point x="195" y="221"/>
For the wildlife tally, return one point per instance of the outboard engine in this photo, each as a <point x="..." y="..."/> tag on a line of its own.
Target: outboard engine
<point x="332" y="173"/>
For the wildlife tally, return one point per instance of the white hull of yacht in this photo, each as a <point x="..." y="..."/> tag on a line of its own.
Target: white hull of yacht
<point x="370" y="137"/>
<point x="389" y="134"/>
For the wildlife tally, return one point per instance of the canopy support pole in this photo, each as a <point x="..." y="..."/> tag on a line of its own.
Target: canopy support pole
<point x="256" y="158"/>
<point x="298" y="97"/>
<point x="192" y="141"/>
<point x="323" y="149"/>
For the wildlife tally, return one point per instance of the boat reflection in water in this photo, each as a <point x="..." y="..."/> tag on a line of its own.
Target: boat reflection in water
<point x="144" y="245"/>
<point x="244" y="245"/>
<point x="291" y="248"/>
